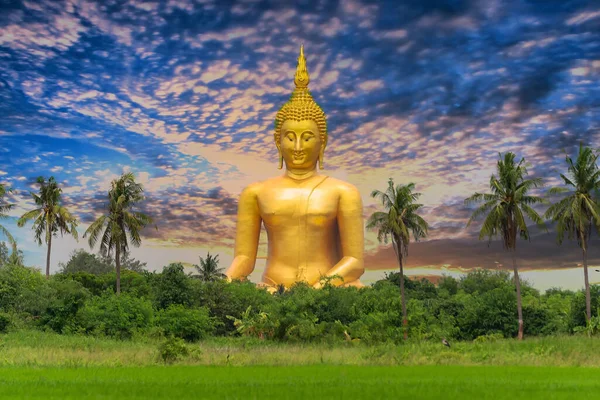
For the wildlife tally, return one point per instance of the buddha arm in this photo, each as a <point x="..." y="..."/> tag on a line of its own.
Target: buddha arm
<point x="350" y="223"/>
<point x="247" y="235"/>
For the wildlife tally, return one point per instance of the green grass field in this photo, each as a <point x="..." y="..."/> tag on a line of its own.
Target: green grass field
<point x="37" y="365"/>
<point x="301" y="382"/>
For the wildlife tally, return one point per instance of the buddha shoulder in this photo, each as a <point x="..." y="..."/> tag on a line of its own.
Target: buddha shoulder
<point x="342" y="186"/>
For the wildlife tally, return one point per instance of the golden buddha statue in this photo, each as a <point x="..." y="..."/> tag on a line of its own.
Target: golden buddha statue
<point x="314" y="222"/>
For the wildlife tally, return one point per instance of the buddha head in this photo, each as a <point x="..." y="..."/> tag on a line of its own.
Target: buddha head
<point x="300" y="125"/>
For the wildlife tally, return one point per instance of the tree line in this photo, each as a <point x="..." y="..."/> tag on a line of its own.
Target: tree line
<point x="504" y="211"/>
<point x="81" y="299"/>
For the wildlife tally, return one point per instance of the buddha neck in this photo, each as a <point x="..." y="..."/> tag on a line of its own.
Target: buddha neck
<point x="301" y="174"/>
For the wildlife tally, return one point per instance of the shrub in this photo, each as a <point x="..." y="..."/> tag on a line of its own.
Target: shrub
<point x="172" y="286"/>
<point x="5" y="322"/>
<point x="189" y="324"/>
<point x="172" y="349"/>
<point x="117" y="316"/>
<point x="68" y="297"/>
<point x="22" y="289"/>
<point x="230" y="299"/>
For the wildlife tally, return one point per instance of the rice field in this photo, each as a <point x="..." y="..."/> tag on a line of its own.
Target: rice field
<point x="38" y="365"/>
<point x="300" y="382"/>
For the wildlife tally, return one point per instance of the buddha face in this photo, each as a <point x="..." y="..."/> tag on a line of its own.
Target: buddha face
<point x="300" y="144"/>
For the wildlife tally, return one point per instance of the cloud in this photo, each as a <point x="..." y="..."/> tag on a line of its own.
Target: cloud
<point x="184" y="93"/>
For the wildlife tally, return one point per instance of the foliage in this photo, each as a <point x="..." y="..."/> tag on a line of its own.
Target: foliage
<point x="258" y="325"/>
<point x="190" y="324"/>
<point x="22" y="290"/>
<point x="50" y="216"/>
<point x="5" y="321"/>
<point x="508" y="203"/>
<point x="115" y="316"/>
<point x="577" y="213"/>
<point x="504" y="211"/>
<point x="172" y="286"/>
<point x="82" y="261"/>
<point x="172" y="349"/>
<point x="399" y="219"/>
<point x="229" y="299"/>
<point x="4" y="208"/>
<point x="136" y="284"/>
<point x="98" y="264"/>
<point x="481" y="303"/>
<point x="120" y="226"/>
<point x="15" y="257"/>
<point x="209" y="270"/>
<point x="67" y="298"/>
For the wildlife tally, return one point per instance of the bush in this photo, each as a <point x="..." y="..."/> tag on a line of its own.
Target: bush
<point x="22" y="290"/>
<point x="172" y="286"/>
<point x="116" y="316"/>
<point x="172" y="349"/>
<point x="68" y="297"/>
<point x="229" y="299"/>
<point x="189" y="324"/>
<point x="578" y="313"/>
<point x="5" y="322"/>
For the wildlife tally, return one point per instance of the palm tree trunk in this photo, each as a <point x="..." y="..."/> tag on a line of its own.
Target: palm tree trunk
<point x="118" y="264"/>
<point x="518" y="287"/>
<point x="402" y="294"/>
<point x="588" y="299"/>
<point x="48" y="256"/>
<point x="403" y="300"/>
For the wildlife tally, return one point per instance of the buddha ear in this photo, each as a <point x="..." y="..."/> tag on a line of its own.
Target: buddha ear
<point x="280" y="155"/>
<point x="321" y="152"/>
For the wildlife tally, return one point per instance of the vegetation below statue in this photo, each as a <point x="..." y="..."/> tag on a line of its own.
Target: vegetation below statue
<point x="173" y="303"/>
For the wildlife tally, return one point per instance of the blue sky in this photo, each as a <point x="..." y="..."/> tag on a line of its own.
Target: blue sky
<point x="184" y="94"/>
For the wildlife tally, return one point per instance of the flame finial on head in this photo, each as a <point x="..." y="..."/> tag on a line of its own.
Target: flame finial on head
<point x="301" y="79"/>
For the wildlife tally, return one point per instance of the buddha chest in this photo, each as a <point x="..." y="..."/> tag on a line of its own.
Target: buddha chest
<point x="290" y="206"/>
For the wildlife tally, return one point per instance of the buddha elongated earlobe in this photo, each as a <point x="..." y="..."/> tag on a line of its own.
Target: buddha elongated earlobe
<point x="280" y="160"/>
<point x="321" y="158"/>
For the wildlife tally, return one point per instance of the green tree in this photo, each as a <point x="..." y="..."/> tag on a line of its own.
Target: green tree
<point x="4" y="208"/>
<point x="396" y="223"/>
<point x="82" y="261"/>
<point x="172" y="286"/>
<point x="50" y="216"/>
<point x="120" y="226"/>
<point x="131" y="264"/>
<point x="209" y="270"/>
<point x="505" y="209"/>
<point x="16" y="258"/>
<point x="580" y="210"/>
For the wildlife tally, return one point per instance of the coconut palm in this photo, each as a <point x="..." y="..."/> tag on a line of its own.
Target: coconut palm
<point x="120" y="226"/>
<point x="50" y="216"/>
<point x="209" y="270"/>
<point x="396" y="223"/>
<point x="505" y="209"/>
<point x="580" y="210"/>
<point x="4" y="208"/>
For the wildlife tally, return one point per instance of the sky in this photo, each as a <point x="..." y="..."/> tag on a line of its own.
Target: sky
<point x="184" y="93"/>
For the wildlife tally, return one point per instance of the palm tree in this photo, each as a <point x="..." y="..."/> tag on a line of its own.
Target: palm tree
<point x="209" y="270"/>
<point x="120" y="226"/>
<point x="4" y="208"/>
<point x="397" y="222"/>
<point x="50" y="216"/>
<point x="506" y="207"/>
<point x="578" y="212"/>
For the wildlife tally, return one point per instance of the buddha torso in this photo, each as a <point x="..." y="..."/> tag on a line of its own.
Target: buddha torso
<point x="300" y="218"/>
<point x="313" y="222"/>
